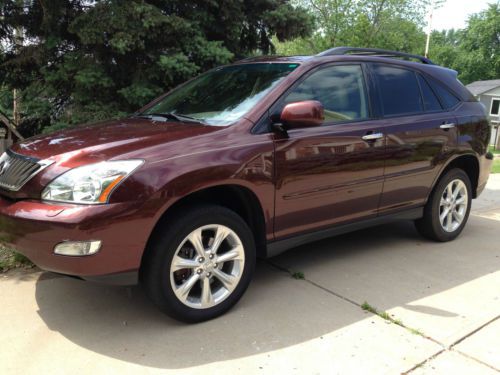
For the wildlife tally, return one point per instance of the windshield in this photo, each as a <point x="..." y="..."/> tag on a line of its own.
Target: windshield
<point x="223" y="95"/>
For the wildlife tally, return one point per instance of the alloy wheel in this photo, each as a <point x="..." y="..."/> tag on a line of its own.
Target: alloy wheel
<point x="453" y="205"/>
<point x="207" y="266"/>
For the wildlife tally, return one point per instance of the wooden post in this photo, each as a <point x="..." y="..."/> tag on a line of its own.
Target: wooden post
<point x="18" y="40"/>
<point x="496" y="146"/>
<point x="16" y="110"/>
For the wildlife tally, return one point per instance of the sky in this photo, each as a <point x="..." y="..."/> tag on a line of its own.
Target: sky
<point x="454" y="13"/>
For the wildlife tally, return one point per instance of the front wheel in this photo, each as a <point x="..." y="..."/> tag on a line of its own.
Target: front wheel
<point x="448" y="207"/>
<point x="200" y="265"/>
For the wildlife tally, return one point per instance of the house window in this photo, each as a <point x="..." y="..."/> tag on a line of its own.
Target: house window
<point x="495" y="107"/>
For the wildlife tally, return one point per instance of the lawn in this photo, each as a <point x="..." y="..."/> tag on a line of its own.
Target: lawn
<point x="496" y="166"/>
<point x="496" y="162"/>
<point x="493" y="151"/>
<point x="9" y="259"/>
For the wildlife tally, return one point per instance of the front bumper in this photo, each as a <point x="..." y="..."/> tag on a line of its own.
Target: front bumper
<point x="33" y="228"/>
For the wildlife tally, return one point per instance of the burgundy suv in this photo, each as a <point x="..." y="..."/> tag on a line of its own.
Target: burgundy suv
<point x="246" y="161"/>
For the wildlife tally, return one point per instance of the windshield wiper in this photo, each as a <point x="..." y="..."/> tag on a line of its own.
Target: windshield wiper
<point x="170" y="116"/>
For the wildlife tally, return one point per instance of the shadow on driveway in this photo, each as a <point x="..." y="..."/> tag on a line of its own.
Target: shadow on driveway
<point x="387" y="266"/>
<point x="276" y="312"/>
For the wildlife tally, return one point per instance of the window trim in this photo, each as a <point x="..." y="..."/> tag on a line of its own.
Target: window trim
<point x="431" y="80"/>
<point x="443" y="109"/>
<point x="493" y="99"/>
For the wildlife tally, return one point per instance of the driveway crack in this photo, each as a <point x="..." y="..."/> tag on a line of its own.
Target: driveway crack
<point x="473" y="332"/>
<point x="286" y="270"/>
<point x="474" y="359"/>
<point x="384" y="315"/>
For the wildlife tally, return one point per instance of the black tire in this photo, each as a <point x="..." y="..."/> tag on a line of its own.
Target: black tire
<point x="156" y="272"/>
<point x="429" y="225"/>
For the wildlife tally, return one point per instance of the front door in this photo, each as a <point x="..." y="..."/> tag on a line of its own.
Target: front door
<point x="332" y="173"/>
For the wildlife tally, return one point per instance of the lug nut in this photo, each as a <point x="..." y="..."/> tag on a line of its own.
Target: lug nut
<point x="211" y="256"/>
<point x="199" y="271"/>
<point x="209" y="274"/>
<point x="201" y="259"/>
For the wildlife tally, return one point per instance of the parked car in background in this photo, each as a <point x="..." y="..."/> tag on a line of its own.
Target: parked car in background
<point x="246" y="161"/>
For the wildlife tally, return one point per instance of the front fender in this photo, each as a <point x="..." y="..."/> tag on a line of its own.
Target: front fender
<point x="161" y="184"/>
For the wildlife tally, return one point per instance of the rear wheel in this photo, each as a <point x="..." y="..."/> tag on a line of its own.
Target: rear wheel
<point x="448" y="207"/>
<point x="201" y="265"/>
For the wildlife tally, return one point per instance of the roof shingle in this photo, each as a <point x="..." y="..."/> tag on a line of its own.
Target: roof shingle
<point x="480" y="87"/>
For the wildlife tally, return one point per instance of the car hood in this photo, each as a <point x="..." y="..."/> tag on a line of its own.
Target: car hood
<point x="108" y="140"/>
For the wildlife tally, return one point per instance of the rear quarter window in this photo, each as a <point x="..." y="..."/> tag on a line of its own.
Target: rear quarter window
<point x="448" y="100"/>
<point x="431" y="101"/>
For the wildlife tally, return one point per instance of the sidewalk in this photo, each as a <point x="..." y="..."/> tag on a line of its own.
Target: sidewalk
<point x="438" y="306"/>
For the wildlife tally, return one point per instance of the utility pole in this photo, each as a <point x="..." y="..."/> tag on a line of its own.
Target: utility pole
<point x="16" y="110"/>
<point x="18" y="43"/>
<point x="429" y="28"/>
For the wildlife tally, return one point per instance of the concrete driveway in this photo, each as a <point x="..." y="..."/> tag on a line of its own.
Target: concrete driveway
<point x="442" y="304"/>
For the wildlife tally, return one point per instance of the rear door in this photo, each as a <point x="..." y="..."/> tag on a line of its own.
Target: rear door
<point x="420" y="135"/>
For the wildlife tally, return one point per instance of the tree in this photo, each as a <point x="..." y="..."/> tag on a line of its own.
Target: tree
<point x="481" y="41"/>
<point x="474" y="51"/>
<point x="392" y="24"/>
<point x="88" y="60"/>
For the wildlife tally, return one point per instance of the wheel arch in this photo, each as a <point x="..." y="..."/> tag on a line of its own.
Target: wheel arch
<point x="469" y="163"/>
<point x="237" y="198"/>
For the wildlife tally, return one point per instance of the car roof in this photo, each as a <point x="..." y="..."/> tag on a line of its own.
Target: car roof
<point x="351" y="54"/>
<point x="343" y="51"/>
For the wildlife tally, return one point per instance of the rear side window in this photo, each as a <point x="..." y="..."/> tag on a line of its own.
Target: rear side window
<point x="398" y="90"/>
<point x="431" y="102"/>
<point x="447" y="98"/>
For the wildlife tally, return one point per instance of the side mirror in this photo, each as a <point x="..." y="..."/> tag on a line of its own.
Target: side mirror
<point x="307" y="113"/>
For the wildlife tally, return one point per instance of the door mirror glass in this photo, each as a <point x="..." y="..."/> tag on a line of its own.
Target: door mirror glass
<point x="304" y="114"/>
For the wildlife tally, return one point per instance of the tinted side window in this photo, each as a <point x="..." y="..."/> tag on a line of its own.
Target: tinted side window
<point x="431" y="102"/>
<point x="398" y="90"/>
<point x="339" y="88"/>
<point x="447" y="98"/>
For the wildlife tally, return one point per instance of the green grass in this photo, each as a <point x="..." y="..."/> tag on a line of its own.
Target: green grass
<point x="416" y="331"/>
<point x="496" y="162"/>
<point x="298" y="275"/>
<point x="496" y="166"/>
<point x="367" y="307"/>
<point x="385" y="315"/>
<point x="9" y="259"/>
<point x="493" y="151"/>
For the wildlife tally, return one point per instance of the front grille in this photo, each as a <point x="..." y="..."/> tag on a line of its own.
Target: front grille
<point x="16" y="170"/>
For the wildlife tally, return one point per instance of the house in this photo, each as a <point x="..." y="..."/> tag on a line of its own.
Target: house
<point x="488" y="93"/>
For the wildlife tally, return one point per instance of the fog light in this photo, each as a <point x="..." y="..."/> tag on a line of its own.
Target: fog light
<point x="77" y="248"/>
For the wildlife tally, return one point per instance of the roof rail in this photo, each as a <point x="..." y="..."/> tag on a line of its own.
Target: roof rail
<point x="373" y="52"/>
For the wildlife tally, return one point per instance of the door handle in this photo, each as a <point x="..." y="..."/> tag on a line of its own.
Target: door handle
<point x="447" y="126"/>
<point x="372" y="137"/>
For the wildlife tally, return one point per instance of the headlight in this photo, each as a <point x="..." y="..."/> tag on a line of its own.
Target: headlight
<point x="90" y="184"/>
